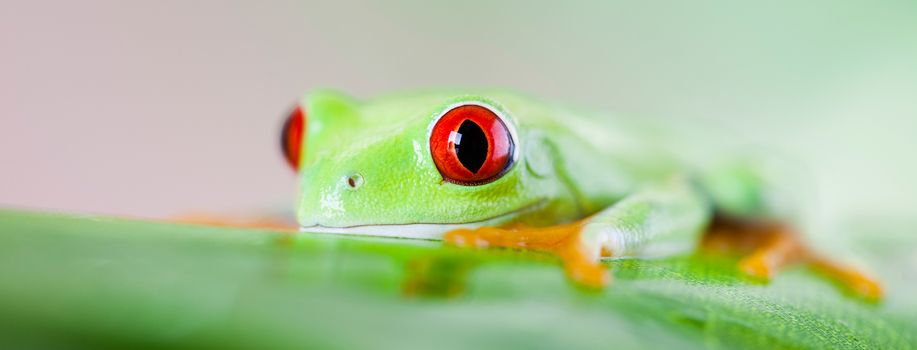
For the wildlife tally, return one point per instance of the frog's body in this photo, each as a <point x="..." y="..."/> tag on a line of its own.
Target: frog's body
<point x="541" y="177"/>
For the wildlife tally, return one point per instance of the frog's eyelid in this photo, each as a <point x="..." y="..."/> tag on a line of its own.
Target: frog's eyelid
<point x="291" y="137"/>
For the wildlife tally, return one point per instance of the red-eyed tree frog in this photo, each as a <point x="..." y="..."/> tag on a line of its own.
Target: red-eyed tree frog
<point x="501" y="169"/>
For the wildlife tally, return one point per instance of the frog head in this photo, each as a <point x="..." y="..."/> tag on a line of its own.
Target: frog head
<point x="415" y="165"/>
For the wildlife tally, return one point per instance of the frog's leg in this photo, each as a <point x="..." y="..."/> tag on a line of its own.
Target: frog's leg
<point x="273" y="223"/>
<point x="564" y="241"/>
<point x="669" y="215"/>
<point x="770" y="246"/>
<point x="767" y="246"/>
<point x="744" y="189"/>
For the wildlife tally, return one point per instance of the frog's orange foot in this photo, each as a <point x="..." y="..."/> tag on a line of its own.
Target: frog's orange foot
<point x="275" y="223"/>
<point x="757" y="267"/>
<point x="466" y="238"/>
<point x="771" y="247"/>
<point x="860" y="284"/>
<point x="562" y="241"/>
<point x="866" y="287"/>
<point x="588" y="274"/>
<point x="436" y="276"/>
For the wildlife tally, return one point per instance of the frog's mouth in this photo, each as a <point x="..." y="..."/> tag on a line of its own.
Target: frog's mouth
<point x="427" y="231"/>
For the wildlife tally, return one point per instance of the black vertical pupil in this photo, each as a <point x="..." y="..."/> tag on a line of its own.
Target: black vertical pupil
<point x="471" y="148"/>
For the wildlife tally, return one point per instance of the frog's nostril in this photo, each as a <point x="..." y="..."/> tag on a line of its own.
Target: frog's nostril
<point x="354" y="181"/>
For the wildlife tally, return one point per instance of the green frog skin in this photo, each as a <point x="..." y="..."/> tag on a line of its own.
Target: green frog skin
<point x="491" y="168"/>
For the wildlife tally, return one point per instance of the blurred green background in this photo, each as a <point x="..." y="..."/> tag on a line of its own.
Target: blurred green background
<point x="160" y="107"/>
<point x="151" y="109"/>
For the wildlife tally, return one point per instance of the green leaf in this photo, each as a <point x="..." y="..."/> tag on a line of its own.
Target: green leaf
<point x="70" y="281"/>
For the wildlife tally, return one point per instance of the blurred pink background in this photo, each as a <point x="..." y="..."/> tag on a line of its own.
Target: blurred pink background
<point x="158" y="108"/>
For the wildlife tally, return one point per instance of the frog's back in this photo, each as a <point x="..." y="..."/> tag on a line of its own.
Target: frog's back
<point x="605" y="157"/>
<point x="602" y="157"/>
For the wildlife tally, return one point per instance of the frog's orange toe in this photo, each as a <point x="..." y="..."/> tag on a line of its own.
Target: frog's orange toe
<point x="465" y="238"/>
<point x="562" y="241"/>
<point x="275" y="223"/>
<point x="857" y="282"/>
<point x="588" y="275"/>
<point x="867" y="288"/>
<point x="757" y="266"/>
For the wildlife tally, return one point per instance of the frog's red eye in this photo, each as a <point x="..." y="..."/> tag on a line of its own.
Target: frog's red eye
<point x="291" y="137"/>
<point x="471" y="145"/>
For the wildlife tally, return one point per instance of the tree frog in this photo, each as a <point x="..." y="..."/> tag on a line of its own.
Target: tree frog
<point x="502" y="169"/>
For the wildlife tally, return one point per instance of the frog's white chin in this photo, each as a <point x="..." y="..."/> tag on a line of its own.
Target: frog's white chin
<point x="414" y="231"/>
<point x="428" y="231"/>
